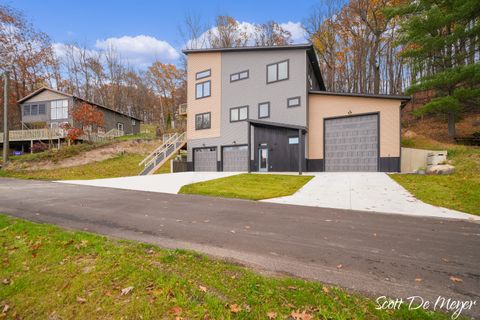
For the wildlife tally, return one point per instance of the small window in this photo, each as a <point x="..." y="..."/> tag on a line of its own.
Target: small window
<point x="203" y="74"/>
<point x="238" y="114"/>
<point x="293" y="140"/>
<point x="202" y="90"/>
<point x="34" y="109"/>
<point x="26" y="110"/>
<point x="120" y="126"/>
<point x="293" y="102"/>
<point x="202" y="121"/>
<point x="133" y="122"/>
<point x="239" y="76"/>
<point x="264" y="110"/>
<point x="277" y="71"/>
<point x="41" y="109"/>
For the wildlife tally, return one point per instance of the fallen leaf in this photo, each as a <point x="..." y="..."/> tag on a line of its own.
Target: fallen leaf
<point x="271" y="315"/>
<point x="235" y="308"/>
<point x="325" y="289"/>
<point x="418" y="279"/>
<point x="126" y="291"/>
<point x="81" y="300"/>
<point x="247" y="307"/>
<point x="445" y="260"/>
<point x="456" y="279"/>
<point x="6" y="281"/>
<point x="339" y="266"/>
<point x="5" y="308"/>
<point x="176" y="311"/>
<point x="297" y="315"/>
<point x="202" y="288"/>
<point x="292" y="287"/>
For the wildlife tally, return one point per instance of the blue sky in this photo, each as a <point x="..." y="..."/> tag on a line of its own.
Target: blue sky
<point x="122" y="23"/>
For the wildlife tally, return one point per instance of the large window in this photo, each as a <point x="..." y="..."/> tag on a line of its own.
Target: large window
<point x="202" y="90"/>
<point x="239" y="114"/>
<point x="33" y="109"/>
<point x="239" y="76"/>
<point x="264" y="110"/>
<point x="277" y="71"/>
<point x="59" y="109"/>
<point x="202" y="121"/>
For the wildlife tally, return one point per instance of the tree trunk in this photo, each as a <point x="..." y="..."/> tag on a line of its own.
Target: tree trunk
<point x="451" y="124"/>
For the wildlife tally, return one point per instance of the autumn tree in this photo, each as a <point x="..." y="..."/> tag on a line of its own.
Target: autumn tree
<point x="441" y="40"/>
<point x="87" y="118"/>
<point x="227" y="33"/>
<point x="271" y="34"/>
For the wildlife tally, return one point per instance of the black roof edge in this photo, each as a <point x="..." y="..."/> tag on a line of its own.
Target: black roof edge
<point x="250" y="48"/>
<point x="363" y="95"/>
<point x="276" y="124"/>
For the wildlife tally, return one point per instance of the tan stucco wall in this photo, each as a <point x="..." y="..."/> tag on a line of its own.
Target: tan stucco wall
<point x="46" y="95"/>
<point x="323" y="106"/>
<point x="199" y="62"/>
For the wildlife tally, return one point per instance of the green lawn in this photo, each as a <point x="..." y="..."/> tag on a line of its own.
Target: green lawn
<point x="119" y="166"/>
<point x="49" y="273"/>
<point x="459" y="191"/>
<point x="249" y="186"/>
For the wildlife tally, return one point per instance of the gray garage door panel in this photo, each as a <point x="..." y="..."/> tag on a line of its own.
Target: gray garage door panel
<point x="351" y="143"/>
<point x="205" y="159"/>
<point x="235" y="158"/>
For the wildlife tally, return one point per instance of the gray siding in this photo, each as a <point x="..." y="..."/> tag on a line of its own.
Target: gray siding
<point x="255" y="90"/>
<point x="44" y="117"/>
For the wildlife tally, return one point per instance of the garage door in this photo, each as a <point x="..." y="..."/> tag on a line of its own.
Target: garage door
<point x="205" y="159"/>
<point x="235" y="158"/>
<point x="351" y="143"/>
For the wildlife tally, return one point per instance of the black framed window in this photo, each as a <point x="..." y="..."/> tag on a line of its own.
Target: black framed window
<point x="34" y="109"/>
<point x="203" y="74"/>
<point x="203" y="121"/>
<point x="238" y="114"/>
<point x="277" y="71"/>
<point x="242" y="75"/>
<point x="41" y="109"/>
<point x="202" y="89"/>
<point x="264" y="110"/>
<point x="293" y="102"/>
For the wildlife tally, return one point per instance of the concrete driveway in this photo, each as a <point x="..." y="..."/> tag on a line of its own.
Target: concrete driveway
<point x="165" y="183"/>
<point x="366" y="191"/>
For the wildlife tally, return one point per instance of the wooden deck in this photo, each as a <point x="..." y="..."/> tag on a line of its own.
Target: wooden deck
<point x="57" y="133"/>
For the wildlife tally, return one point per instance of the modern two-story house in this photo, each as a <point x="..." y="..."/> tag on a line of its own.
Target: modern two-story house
<point x="266" y="109"/>
<point x="48" y="108"/>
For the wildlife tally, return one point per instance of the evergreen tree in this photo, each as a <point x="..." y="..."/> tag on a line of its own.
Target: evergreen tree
<point x="441" y="41"/>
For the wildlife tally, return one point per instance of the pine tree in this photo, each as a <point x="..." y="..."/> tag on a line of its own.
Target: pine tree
<point x="441" y="41"/>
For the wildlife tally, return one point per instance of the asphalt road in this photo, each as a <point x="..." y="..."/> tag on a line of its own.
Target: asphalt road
<point x="372" y="253"/>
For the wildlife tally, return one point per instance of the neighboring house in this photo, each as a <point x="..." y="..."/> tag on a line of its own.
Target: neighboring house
<point x="266" y="109"/>
<point x="48" y="108"/>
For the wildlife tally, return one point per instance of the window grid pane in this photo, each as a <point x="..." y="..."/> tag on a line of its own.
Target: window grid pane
<point x="283" y="70"/>
<point x="272" y="73"/>
<point x="233" y="114"/>
<point x="263" y="112"/>
<point x="243" y="113"/>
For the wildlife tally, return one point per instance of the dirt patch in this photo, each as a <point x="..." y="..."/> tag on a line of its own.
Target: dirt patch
<point x="96" y="155"/>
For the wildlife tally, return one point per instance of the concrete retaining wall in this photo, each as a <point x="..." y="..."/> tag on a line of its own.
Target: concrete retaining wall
<point x="413" y="159"/>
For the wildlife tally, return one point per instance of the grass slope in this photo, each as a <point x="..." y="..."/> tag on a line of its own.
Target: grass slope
<point x="249" y="186"/>
<point x="459" y="191"/>
<point x="119" y="166"/>
<point x="48" y="273"/>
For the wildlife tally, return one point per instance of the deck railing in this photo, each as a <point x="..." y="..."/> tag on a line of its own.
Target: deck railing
<point x="35" y="134"/>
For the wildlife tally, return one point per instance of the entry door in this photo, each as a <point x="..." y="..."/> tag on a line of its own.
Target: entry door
<point x="351" y="143"/>
<point x="263" y="159"/>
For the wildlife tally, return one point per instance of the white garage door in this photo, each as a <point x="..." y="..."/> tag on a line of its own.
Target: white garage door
<point x="235" y="158"/>
<point x="205" y="159"/>
<point x="351" y="143"/>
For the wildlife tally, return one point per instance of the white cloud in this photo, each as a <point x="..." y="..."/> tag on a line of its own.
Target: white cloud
<point x="295" y="28"/>
<point x="140" y="50"/>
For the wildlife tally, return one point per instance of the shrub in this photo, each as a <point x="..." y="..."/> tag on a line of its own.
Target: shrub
<point x="39" y="147"/>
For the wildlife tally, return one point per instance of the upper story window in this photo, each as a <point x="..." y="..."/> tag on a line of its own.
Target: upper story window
<point x="59" y="109"/>
<point x="238" y="114"/>
<point x="33" y="109"/>
<point x="293" y="102"/>
<point x="202" y="89"/>
<point x="264" y="110"/>
<point x="202" y="121"/>
<point x="203" y="74"/>
<point x="277" y="71"/>
<point x="293" y="140"/>
<point x="239" y="76"/>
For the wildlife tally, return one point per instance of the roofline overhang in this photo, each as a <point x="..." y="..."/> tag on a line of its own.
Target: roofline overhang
<point x="303" y="46"/>
<point x="362" y="95"/>
<point x="276" y="124"/>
